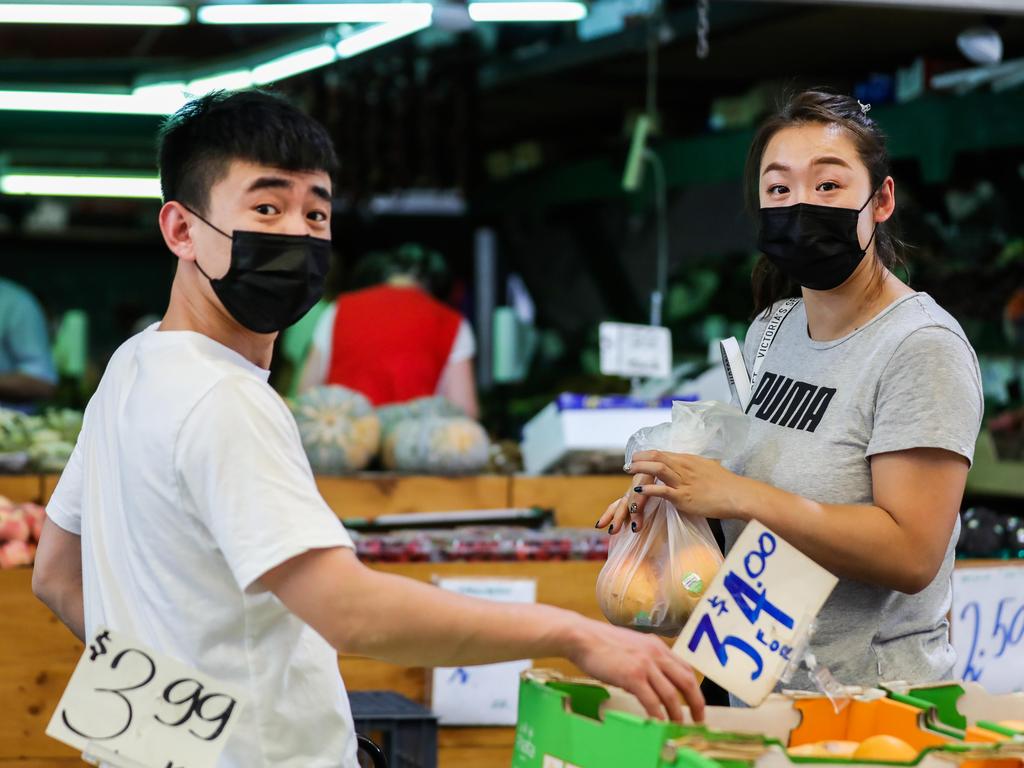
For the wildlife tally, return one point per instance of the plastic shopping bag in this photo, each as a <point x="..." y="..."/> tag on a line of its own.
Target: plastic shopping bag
<point x="654" y="578"/>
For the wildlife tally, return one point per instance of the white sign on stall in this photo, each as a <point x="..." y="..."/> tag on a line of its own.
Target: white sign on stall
<point x="635" y="350"/>
<point x="988" y="626"/>
<point x="751" y="622"/>
<point x="132" y="707"/>
<point x="486" y="694"/>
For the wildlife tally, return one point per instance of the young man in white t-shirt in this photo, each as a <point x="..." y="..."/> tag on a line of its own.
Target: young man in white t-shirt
<point x="188" y="517"/>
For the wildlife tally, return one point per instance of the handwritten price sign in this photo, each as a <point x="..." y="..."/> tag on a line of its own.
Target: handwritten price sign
<point x="988" y="626"/>
<point x="748" y="625"/>
<point x="134" y="707"/>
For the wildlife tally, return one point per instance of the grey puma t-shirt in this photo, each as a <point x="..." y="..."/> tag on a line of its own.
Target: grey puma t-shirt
<point x="907" y="379"/>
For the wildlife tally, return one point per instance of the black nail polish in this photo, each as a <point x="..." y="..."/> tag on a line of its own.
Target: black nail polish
<point x="633" y="526"/>
<point x="597" y="524"/>
<point x="611" y="527"/>
<point x="638" y="489"/>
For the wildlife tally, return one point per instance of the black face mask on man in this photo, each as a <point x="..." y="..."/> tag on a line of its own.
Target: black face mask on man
<point x="815" y="245"/>
<point x="273" y="279"/>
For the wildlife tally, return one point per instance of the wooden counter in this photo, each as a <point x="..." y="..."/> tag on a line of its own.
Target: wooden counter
<point x="38" y="654"/>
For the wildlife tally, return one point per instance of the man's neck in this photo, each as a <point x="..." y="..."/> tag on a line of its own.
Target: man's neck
<point x="839" y="312"/>
<point x="189" y="310"/>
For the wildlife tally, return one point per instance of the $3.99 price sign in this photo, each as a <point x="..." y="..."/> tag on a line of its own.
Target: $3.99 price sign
<point x="126" y="702"/>
<point x="748" y="624"/>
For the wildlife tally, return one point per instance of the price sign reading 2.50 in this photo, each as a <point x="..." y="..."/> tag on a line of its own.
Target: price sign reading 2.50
<point x="739" y="636"/>
<point x="149" y="709"/>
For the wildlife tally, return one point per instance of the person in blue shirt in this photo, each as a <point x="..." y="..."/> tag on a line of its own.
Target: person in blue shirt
<point x="27" y="374"/>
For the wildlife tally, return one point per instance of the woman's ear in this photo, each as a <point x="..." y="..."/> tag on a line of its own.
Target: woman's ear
<point x="174" y="226"/>
<point x="885" y="200"/>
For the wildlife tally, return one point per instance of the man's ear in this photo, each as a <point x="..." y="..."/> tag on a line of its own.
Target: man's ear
<point x="174" y="226"/>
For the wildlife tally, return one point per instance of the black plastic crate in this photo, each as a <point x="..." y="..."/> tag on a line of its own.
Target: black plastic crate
<point x="404" y="730"/>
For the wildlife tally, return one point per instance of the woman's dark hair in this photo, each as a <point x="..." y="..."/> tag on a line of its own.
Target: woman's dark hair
<point x="427" y="267"/>
<point x="198" y="142"/>
<point x="817" y="106"/>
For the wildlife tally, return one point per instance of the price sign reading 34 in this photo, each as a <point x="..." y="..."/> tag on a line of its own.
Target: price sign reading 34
<point x="745" y="628"/>
<point x="127" y="702"/>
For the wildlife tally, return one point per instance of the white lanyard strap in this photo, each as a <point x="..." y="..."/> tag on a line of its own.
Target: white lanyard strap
<point x="740" y="383"/>
<point x="768" y="338"/>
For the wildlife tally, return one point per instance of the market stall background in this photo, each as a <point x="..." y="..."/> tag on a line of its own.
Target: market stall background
<point x="516" y="135"/>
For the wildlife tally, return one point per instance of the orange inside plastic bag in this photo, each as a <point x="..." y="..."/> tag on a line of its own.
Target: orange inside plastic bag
<point x="654" y="577"/>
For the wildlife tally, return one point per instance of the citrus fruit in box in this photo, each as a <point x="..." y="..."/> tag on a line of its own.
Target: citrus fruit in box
<point x="631" y="594"/>
<point x="826" y="749"/>
<point x="694" y="569"/>
<point x="885" y="748"/>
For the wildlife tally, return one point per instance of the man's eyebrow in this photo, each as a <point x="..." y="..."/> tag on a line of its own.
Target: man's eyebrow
<point x="270" y="182"/>
<point x="280" y="182"/>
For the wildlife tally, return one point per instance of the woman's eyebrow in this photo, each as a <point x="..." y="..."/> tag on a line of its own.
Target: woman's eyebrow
<point x="831" y="160"/>
<point x="775" y="167"/>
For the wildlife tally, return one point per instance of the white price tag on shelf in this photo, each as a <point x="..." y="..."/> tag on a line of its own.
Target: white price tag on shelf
<point x="134" y="708"/>
<point x="749" y="623"/>
<point x="635" y="350"/>
<point x="487" y="694"/>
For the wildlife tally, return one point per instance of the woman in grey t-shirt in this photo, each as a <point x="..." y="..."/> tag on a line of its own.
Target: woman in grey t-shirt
<point x="865" y="408"/>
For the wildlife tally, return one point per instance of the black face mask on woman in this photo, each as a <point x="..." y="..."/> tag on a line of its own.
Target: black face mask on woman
<point x="273" y="279"/>
<point x="815" y="245"/>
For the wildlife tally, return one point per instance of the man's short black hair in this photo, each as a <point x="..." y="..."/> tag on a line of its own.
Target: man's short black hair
<point x="199" y="142"/>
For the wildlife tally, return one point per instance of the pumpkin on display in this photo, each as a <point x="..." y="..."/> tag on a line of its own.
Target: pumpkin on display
<point x="421" y="407"/>
<point x="339" y="428"/>
<point x="437" y="446"/>
<point x="885" y="748"/>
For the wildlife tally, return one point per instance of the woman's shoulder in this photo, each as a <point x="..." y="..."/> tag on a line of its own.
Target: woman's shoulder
<point x="919" y="313"/>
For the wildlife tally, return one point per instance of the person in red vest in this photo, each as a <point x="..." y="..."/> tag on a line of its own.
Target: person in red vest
<point x="392" y="340"/>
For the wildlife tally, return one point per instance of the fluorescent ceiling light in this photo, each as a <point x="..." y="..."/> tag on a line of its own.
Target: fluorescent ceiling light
<point x="963" y="6"/>
<point x="378" y="35"/>
<point x="311" y="13"/>
<point x="527" y="11"/>
<point x="232" y="80"/>
<point x="79" y="186"/>
<point x="73" y="101"/>
<point x="293" y="64"/>
<point x="77" y="13"/>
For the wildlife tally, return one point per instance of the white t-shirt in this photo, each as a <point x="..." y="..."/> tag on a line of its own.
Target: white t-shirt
<point x="187" y="484"/>
<point x="463" y="348"/>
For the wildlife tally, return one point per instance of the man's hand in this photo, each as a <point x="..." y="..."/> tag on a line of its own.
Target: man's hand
<point x="643" y="665"/>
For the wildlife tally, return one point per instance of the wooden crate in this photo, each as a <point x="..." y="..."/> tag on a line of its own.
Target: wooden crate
<point x="578" y="501"/>
<point x="370" y="495"/>
<point x="37" y="656"/>
<point x="21" y="488"/>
